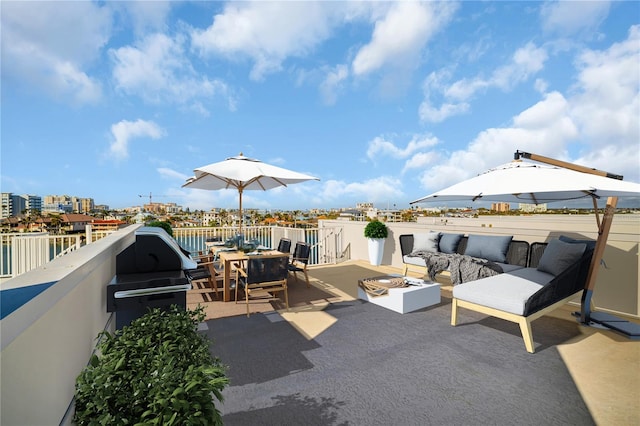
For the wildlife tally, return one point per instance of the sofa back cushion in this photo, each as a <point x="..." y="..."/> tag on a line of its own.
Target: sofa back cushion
<point x="449" y="242"/>
<point x="426" y="241"/>
<point x="560" y="255"/>
<point x="490" y="247"/>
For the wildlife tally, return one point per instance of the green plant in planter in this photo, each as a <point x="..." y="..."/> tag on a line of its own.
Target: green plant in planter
<point x="158" y="370"/>
<point x="164" y="225"/>
<point x="375" y="229"/>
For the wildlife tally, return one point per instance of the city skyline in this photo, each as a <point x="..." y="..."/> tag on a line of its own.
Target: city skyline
<point x="385" y="102"/>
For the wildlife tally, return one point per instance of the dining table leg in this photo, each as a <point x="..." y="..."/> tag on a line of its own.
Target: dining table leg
<point x="227" y="281"/>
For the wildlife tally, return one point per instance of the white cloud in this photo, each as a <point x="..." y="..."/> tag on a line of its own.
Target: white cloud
<point x="380" y="189"/>
<point x="545" y="128"/>
<point x="606" y="105"/>
<point x="608" y="86"/>
<point x="124" y="131"/>
<point x="266" y="32"/>
<point x="433" y="86"/>
<point x="428" y="112"/>
<point x="145" y="16"/>
<point x="571" y="17"/>
<point x="421" y="160"/>
<point x="333" y="83"/>
<point x="380" y="147"/>
<point x="525" y="62"/>
<point x="541" y="85"/>
<point x="599" y="121"/>
<point x="157" y="70"/>
<point x="52" y="55"/>
<point x="168" y="173"/>
<point x="400" y="35"/>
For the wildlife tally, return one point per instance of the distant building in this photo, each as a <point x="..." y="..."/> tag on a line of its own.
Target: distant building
<point x="107" y="224"/>
<point x="364" y="206"/>
<point x="7" y="205"/>
<point x="500" y="207"/>
<point x="169" y="208"/>
<point x="532" y="208"/>
<point x="74" y="222"/>
<point x="352" y="214"/>
<point x="16" y="205"/>
<point x="211" y="217"/>
<point x="67" y="204"/>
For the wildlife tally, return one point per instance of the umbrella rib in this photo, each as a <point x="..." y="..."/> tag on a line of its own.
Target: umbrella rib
<point x="533" y="197"/>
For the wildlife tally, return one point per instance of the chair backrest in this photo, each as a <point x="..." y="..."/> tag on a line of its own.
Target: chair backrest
<point x="284" y="245"/>
<point x="535" y="254"/>
<point x="301" y="252"/>
<point x="267" y="268"/>
<point x="406" y="244"/>
<point x="518" y="253"/>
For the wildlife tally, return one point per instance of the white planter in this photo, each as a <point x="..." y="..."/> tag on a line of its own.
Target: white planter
<point x="376" y="249"/>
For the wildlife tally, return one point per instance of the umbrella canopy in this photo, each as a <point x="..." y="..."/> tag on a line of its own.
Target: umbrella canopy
<point x="525" y="182"/>
<point x="243" y="173"/>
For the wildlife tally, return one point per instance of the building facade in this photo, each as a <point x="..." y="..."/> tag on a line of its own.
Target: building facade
<point x="532" y="208"/>
<point x="500" y="207"/>
<point x="17" y="205"/>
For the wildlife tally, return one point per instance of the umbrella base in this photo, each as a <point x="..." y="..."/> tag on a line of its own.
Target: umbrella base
<point x="622" y="326"/>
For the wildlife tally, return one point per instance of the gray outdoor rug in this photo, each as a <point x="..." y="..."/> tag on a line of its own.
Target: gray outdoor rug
<point x="377" y="367"/>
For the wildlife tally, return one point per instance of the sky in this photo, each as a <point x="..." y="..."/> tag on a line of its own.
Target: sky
<point x="384" y="102"/>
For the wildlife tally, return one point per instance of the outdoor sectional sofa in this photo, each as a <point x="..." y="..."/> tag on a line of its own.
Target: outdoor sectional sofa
<point x="553" y="274"/>
<point x="509" y="254"/>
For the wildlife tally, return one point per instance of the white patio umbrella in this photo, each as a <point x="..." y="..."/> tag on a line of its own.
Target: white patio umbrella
<point x="243" y="174"/>
<point x="527" y="182"/>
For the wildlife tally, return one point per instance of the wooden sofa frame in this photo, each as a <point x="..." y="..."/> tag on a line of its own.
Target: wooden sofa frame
<point x="559" y="291"/>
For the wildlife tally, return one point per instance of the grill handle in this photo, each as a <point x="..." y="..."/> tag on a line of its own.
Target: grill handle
<point x="150" y="291"/>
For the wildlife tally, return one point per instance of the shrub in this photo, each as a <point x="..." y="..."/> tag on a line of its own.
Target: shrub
<point x="158" y="370"/>
<point x="164" y="225"/>
<point x="375" y="229"/>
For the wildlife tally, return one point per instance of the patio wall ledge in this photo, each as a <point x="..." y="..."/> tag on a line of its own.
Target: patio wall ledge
<point x="47" y="341"/>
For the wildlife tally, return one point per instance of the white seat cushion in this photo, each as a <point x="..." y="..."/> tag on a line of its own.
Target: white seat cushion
<point x="507" y="267"/>
<point x="506" y="292"/>
<point x="418" y="261"/>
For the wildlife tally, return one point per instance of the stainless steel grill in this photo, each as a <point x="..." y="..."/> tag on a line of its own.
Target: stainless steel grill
<point x="150" y="273"/>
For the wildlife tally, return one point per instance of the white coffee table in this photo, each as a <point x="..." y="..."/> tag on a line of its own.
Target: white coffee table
<point x="405" y="299"/>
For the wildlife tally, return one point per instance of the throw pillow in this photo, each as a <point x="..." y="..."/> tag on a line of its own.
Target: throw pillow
<point x="490" y="247"/>
<point x="558" y="256"/>
<point x="449" y="242"/>
<point x="591" y="244"/>
<point x="426" y="241"/>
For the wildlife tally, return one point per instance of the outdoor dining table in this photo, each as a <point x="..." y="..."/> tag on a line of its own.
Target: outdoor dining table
<point x="231" y="258"/>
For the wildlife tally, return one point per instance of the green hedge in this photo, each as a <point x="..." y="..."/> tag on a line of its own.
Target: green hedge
<point x="164" y="225"/>
<point x="158" y="370"/>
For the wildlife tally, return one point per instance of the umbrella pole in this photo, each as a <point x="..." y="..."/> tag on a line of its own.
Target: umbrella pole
<point x="240" y="212"/>
<point x="601" y="243"/>
<point x="603" y="233"/>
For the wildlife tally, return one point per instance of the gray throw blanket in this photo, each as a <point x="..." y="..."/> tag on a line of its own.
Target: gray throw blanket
<point x="463" y="268"/>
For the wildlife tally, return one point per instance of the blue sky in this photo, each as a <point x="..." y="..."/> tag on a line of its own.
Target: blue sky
<point x="384" y="102"/>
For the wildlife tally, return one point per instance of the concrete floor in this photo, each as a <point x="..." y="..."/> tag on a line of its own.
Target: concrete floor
<point x="604" y="365"/>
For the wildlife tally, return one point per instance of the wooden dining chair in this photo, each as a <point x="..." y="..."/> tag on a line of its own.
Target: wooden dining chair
<point x="206" y="273"/>
<point x="263" y="275"/>
<point x="284" y="245"/>
<point x="300" y="260"/>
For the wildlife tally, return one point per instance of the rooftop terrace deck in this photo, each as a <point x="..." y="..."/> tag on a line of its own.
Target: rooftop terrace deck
<point x="602" y="364"/>
<point x="64" y="320"/>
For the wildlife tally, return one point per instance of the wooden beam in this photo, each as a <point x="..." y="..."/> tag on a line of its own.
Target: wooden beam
<point x="601" y="244"/>
<point x="566" y="165"/>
